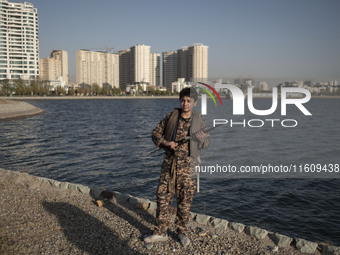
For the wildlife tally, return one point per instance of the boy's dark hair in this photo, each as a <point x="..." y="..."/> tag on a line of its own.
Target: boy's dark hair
<point x="189" y="92"/>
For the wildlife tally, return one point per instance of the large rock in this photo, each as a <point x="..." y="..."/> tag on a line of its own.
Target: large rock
<point x="83" y="189"/>
<point x="202" y="218"/>
<point x="72" y="186"/>
<point x="152" y="206"/>
<point x="54" y="183"/>
<point x="121" y="198"/>
<point x="143" y="204"/>
<point x="238" y="227"/>
<point x="258" y="233"/>
<point x="139" y="203"/>
<point x="107" y="194"/>
<point x="330" y="250"/>
<point x="305" y="246"/>
<point x="64" y="186"/>
<point x="219" y="223"/>
<point x="95" y="193"/>
<point x="43" y="180"/>
<point x="280" y="240"/>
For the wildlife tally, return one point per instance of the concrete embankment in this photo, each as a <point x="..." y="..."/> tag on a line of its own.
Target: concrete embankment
<point x="16" y="109"/>
<point x="41" y="215"/>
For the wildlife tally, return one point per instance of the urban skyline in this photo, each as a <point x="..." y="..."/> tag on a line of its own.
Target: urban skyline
<point x="258" y="39"/>
<point x="137" y="65"/>
<point x="286" y="39"/>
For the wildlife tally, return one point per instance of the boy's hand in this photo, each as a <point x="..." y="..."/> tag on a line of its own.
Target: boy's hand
<point x="172" y="145"/>
<point x="200" y="136"/>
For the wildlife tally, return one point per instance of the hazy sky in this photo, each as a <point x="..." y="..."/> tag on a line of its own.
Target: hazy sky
<point x="258" y="38"/>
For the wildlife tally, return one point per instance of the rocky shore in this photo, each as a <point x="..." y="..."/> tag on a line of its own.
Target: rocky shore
<point x="16" y="109"/>
<point x="43" y="216"/>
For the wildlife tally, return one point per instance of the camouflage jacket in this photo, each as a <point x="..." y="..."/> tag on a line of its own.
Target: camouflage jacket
<point x="182" y="151"/>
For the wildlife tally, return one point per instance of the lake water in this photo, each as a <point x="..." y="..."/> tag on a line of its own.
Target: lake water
<point x="106" y="143"/>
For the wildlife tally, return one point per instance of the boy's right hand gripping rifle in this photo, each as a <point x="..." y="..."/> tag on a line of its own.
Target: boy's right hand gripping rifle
<point x="187" y="139"/>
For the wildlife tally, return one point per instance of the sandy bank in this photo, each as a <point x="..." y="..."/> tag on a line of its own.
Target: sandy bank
<point x="16" y="109"/>
<point x="42" y="216"/>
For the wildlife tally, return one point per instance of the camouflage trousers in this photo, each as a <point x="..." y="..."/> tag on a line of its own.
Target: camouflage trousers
<point x="185" y="188"/>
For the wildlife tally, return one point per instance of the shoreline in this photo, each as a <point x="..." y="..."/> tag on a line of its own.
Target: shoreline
<point x="118" y="97"/>
<point x="27" y="199"/>
<point x="86" y="97"/>
<point x="17" y="109"/>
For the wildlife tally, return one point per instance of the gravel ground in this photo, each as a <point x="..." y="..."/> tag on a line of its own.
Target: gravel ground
<point x="36" y="218"/>
<point x="16" y="109"/>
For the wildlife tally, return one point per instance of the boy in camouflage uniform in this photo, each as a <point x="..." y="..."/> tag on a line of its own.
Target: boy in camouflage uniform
<point x="176" y="173"/>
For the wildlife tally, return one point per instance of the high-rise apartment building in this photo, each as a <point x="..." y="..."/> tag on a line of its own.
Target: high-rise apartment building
<point x="198" y="62"/>
<point x="19" y="41"/>
<point x="169" y="68"/>
<point x="55" y="67"/>
<point x="190" y="63"/>
<point x="125" y="73"/>
<point x="100" y="68"/>
<point x="47" y="69"/>
<point x="139" y="66"/>
<point x="183" y="63"/>
<point x="155" y="62"/>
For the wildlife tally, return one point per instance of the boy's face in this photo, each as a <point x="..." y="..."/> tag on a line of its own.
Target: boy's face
<point x="187" y="104"/>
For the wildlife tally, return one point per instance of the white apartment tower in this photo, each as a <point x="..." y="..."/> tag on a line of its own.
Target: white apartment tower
<point x="55" y="67"/>
<point x="140" y="65"/>
<point x="198" y="59"/>
<point x="61" y="58"/>
<point x="100" y="68"/>
<point x="19" y="41"/>
<point x="190" y="63"/>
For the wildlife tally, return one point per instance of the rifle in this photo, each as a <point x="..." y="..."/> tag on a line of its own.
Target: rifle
<point x="186" y="139"/>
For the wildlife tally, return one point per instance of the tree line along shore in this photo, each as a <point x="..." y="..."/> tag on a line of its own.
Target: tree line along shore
<point x="38" y="88"/>
<point x="34" y="88"/>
